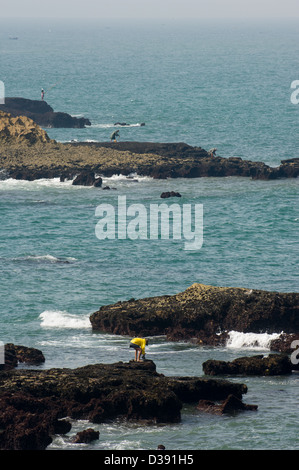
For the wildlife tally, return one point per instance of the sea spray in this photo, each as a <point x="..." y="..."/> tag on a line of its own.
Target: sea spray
<point x="63" y="319"/>
<point x="259" y="341"/>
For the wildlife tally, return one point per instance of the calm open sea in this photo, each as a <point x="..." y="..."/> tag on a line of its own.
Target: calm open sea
<point x="206" y="84"/>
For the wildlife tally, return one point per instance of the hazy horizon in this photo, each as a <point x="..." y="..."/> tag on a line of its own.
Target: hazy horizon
<point x="153" y="9"/>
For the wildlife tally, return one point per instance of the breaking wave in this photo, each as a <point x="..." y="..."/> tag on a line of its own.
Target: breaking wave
<point x="257" y="341"/>
<point x="63" y="319"/>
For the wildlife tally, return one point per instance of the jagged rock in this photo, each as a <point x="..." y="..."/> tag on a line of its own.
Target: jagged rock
<point x="86" y="436"/>
<point x="273" y="364"/>
<point x="20" y="129"/>
<point x="33" y="403"/>
<point x="168" y="194"/>
<point x="230" y="405"/>
<point x="42" y="113"/>
<point x="200" y="312"/>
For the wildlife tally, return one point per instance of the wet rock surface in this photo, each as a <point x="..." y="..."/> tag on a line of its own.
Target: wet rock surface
<point x="87" y="178"/>
<point x="231" y="405"/>
<point x="34" y="403"/>
<point x="86" y="436"/>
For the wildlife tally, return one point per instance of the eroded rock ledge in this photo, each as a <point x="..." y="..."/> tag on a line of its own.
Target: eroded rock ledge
<point x="35" y="403"/>
<point x="28" y="153"/>
<point x="200" y="313"/>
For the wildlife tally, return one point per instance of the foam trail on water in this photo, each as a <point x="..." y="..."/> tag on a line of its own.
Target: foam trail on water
<point x="46" y="259"/>
<point x="63" y="319"/>
<point x="259" y="341"/>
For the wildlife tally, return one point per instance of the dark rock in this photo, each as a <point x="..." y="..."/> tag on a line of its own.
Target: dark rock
<point x="287" y="344"/>
<point x="230" y="405"/>
<point x="201" y="312"/>
<point x="274" y="364"/>
<point x="33" y="403"/>
<point x="170" y="194"/>
<point x="98" y="182"/>
<point x="86" y="436"/>
<point x="180" y="160"/>
<point x="42" y="113"/>
<point x="284" y="343"/>
<point x="28" y="422"/>
<point x="87" y="178"/>
<point x="14" y="354"/>
<point x="61" y="426"/>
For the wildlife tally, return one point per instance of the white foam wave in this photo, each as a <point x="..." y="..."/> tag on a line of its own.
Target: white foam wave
<point x="12" y="184"/>
<point x="46" y="258"/>
<point x="129" y="178"/>
<point x="63" y="319"/>
<point x="257" y="341"/>
<point x="110" y="125"/>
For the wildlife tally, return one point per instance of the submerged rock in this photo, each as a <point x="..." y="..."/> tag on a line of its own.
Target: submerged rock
<point x="200" y="312"/>
<point x="168" y="194"/>
<point x="230" y="405"/>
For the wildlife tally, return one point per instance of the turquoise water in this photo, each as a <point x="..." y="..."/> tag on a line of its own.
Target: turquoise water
<point x="223" y="85"/>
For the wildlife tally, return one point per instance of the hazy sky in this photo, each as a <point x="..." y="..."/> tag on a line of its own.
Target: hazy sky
<point x="150" y="8"/>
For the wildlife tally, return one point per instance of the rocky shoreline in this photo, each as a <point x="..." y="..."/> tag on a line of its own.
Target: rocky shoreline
<point x="38" y="403"/>
<point x="27" y="152"/>
<point x="35" y="405"/>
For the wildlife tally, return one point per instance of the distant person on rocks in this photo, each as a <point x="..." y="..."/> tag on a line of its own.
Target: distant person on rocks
<point x="114" y="135"/>
<point x="139" y="345"/>
<point x="42" y="94"/>
<point x="212" y="152"/>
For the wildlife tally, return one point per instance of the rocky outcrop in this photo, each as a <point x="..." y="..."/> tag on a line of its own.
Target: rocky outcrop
<point x="87" y="178"/>
<point x="200" y="313"/>
<point x="20" y="130"/>
<point x="273" y="364"/>
<point x="286" y="343"/>
<point x="35" y="403"/>
<point x="45" y="158"/>
<point x="13" y="355"/>
<point x="41" y="113"/>
<point x="180" y="160"/>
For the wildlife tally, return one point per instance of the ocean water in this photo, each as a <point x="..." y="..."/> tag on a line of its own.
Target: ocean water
<point x="207" y="84"/>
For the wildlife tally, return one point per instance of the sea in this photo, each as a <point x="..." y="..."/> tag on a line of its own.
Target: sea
<point x="206" y="83"/>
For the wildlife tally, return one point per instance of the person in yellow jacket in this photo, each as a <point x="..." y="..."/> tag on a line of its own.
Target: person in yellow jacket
<point x="139" y="345"/>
